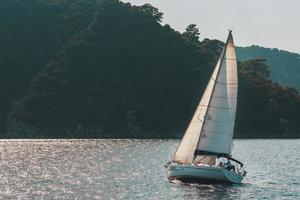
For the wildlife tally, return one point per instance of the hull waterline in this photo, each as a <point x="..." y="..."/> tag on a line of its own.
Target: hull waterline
<point x="201" y="174"/>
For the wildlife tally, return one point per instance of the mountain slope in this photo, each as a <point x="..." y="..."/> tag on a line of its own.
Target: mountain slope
<point x="120" y="74"/>
<point x="31" y="33"/>
<point x="284" y="65"/>
<point x="126" y="74"/>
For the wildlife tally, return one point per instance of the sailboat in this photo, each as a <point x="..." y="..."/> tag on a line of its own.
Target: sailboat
<point x="204" y="153"/>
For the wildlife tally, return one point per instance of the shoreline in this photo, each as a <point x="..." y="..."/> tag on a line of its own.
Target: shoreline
<point x="113" y="138"/>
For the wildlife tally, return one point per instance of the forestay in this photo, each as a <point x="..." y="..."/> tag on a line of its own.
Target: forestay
<point x="211" y="128"/>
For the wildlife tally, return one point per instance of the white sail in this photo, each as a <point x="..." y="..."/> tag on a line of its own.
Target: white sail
<point x="211" y="128"/>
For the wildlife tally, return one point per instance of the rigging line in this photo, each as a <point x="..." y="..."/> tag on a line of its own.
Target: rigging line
<point x="219" y="121"/>
<point x="225" y="108"/>
<point x="230" y="58"/>
<point x="218" y="97"/>
<point x="229" y="71"/>
<point x="200" y="119"/>
<point x="223" y="83"/>
<point x="215" y="131"/>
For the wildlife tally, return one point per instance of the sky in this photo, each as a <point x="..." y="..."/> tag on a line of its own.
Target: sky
<point x="268" y="23"/>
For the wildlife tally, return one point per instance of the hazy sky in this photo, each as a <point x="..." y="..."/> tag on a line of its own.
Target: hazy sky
<point x="269" y="23"/>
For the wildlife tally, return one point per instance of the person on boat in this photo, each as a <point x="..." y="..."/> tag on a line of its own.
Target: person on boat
<point x="229" y="166"/>
<point x="221" y="165"/>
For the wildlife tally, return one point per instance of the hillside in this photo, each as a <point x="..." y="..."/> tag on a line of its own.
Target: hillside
<point x="120" y="73"/>
<point x="124" y="74"/>
<point x="31" y="33"/>
<point x="265" y="109"/>
<point x="284" y="65"/>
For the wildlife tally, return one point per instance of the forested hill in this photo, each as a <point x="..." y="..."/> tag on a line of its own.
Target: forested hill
<point x="31" y="34"/>
<point x="284" y="65"/>
<point x="102" y="68"/>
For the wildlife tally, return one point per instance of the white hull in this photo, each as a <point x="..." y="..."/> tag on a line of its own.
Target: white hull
<point x="202" y="174"/>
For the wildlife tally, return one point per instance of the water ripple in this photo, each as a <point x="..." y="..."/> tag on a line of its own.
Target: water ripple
<point x="133" y="169"/>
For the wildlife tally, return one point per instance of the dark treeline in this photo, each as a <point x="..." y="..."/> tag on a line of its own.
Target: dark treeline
<point x="265" y="108"/>
<point x="91" y="69"/>
<point x="31" y="33"/>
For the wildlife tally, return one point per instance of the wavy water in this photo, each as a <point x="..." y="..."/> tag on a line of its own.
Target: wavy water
<point x="133" y="169"/>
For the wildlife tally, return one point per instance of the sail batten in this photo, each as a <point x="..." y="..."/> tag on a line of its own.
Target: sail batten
<point x="211" y="128"/>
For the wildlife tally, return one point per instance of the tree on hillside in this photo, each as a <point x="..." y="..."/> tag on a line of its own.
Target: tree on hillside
<point x="152" y="11"/>
<point x="191" y="32"/>
<point x="265" y="109"/>
<point x="256" y="67"/>
<point x="284" y="65"/>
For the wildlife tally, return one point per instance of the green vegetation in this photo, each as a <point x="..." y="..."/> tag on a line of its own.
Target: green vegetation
<point x="265" y="108"/>
<point x="191" y="33"/>
<point x="31" y="33"/>
<point x="284" y="65"/>
<point x="90" y="69"/>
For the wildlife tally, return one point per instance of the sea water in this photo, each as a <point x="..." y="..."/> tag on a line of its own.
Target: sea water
<point x="134" y="169"/>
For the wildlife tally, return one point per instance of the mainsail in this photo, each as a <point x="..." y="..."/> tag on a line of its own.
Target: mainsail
<point x="211" y="129"/>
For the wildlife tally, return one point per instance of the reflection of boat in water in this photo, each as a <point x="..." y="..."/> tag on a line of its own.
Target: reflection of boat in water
<point x="204" y="154"/>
